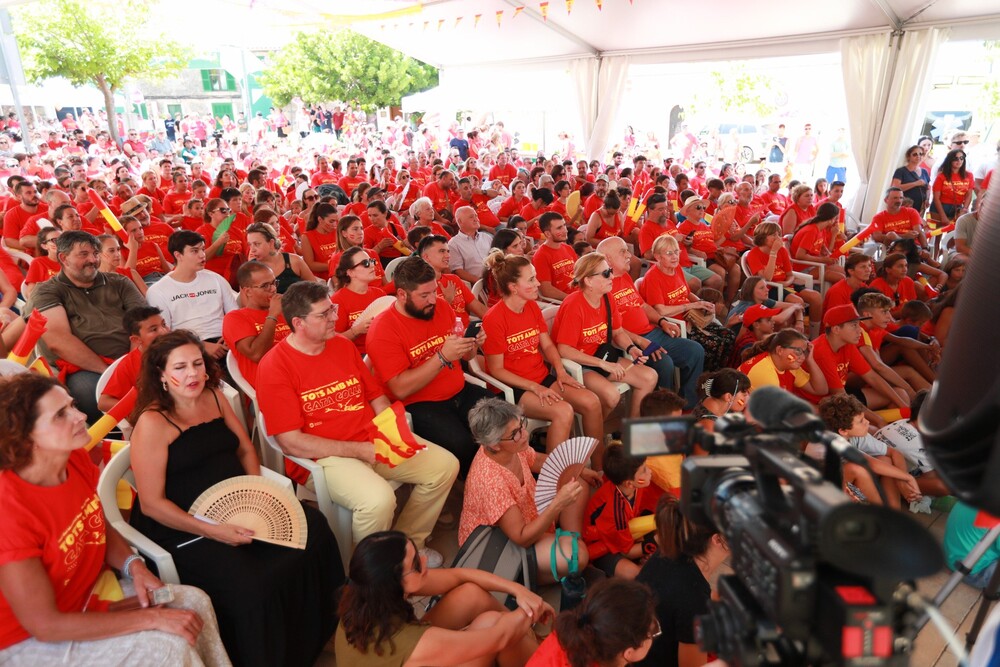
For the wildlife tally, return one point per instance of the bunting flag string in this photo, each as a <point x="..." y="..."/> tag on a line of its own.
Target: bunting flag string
<point x="543" y="10"/>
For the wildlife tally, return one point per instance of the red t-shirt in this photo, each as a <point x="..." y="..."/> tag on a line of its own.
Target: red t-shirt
<point x="373" y="235"/>
<point x="506" y="173"/>
<point x="159" y="233"/>
<point x="405" y="342"/>
<point x="529" y="213"/>
<point x="836" y="365"/>
<point x="702" y="240"/>
<point x="486" y="216"/>
<point x="592" y="203"/>
<point x="328" y="395"/>
<point x="125" y="376"/>
<point x="62" y="526"/>
<point x="905" y="291"/>
<point x="629" y="304"/>
<point x="15" y="219"/>
<point x="323" y="246"/>
<point x="872" y="336"/>
<point x="757" y="260"/>
<point x="801" y="214"/>
<point x="839" y="294"/>
<point x="147" y="261"/>
<point x="582" y="326"/>
<point x="658" y="288"/>
<point x="511" y="206"/>
<point x="555" y="266"/>
<point x="812" y="239"/>
<point x="463" y="295"/>
<point x="774" y="202"/>
<point x="906" y="220"/>
<point x="11" y="270"/>
<point x="191" y="223"/>
<point x="953" y="191"/>
<point x="550" y="653"/>
<point x="173" y="203"/>
<point x="236" y="245"/>
<point x="347" y="184"/>
<point x="319" y="178"/>
<point x="439" y="198"/>
<point x="517" y="337"/>
<point x="648" y="233"/>
<point x="248" y="323"/>
<point x="351" y="306"/>
<point x="41" y="269"/>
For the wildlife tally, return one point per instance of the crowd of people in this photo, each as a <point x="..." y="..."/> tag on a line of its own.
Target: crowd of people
<point x="370" y="272"/>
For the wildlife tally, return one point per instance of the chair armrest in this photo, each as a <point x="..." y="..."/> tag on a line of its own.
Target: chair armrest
<point x="276" y="477"/>
<point x="574" y="369"/>
<point x="151" y="550"/>
<point x="697" y="260"/>
<point x="681" y="324"/>
<point x="778" y="286"/>
<point x="506" y="390"/>
<point x="472" y="379"/>
<point x="803" y="278"/>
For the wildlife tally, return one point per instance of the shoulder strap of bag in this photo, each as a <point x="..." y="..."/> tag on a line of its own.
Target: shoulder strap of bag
<point x="607" y="311"/>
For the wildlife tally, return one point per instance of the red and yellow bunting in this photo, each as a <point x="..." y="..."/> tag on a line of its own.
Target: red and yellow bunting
<point x="543" y="11"/>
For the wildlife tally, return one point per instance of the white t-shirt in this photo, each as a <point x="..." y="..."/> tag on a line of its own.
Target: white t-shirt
<point x="198" y="306"/>
<point x="904" y="437"/>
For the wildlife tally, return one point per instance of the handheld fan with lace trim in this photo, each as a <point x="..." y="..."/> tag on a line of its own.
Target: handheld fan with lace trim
<point x="565" y="462"/>
<point x="270" y="510"/>
<point x="376" y="307"/>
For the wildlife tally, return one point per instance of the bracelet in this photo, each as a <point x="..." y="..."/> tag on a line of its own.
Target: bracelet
<point x="635" y="346"/>
<point x="272" y="318"/>
<point x="127" y="565"/>
<point x="662" y="320"/>
<point x="444" y="362"/>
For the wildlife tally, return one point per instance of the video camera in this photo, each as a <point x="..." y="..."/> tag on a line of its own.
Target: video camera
<point x="818" y="579"/>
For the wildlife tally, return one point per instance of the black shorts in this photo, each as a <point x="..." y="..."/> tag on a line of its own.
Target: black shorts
<point x="547" y="381"/>
<point x="772" y="291"/>
<point x="607" y="563"/>
<point x="857" y="393"/>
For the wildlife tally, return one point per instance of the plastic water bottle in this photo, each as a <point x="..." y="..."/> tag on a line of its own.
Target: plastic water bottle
<point x="459" y="328"/>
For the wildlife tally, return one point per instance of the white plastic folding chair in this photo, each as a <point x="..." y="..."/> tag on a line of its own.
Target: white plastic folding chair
<point x="8" y="367"/>
<point x="574" y="369"/>
<point x="267" y="455"/>
<point x="508" y="393"/>
<point x="120" y="468"/>
<point x="390" y="268"/>
<point x="124" y="426"/>
<point x="340" y="518"/>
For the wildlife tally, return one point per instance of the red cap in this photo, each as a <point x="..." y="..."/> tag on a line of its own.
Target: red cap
<point x="758" y="312"/>
<point x="841" y="315"/>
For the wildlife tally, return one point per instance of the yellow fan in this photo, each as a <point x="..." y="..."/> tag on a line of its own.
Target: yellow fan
<point x="573" y="203"/>
<point x="270" y="510"/>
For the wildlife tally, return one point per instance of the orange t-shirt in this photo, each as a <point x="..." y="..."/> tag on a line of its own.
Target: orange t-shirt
<point x="660" y="289"/>
<point x="517" y="337"/>
<point x="555" y="266"/>
<point x="351" y="305"/>
<point x="580" y="325"/>
<point x="757" y="260"/>
<point x="323" y="245"/>
<point x="248" y="323"/>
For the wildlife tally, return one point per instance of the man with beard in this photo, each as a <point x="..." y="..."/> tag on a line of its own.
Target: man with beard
<point x="85" y="311"/>
<point x="417" y="352"/>
<point x="17" y="216"/>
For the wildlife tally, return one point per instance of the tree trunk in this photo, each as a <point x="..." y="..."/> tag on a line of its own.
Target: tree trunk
<point x="109" y="108"/>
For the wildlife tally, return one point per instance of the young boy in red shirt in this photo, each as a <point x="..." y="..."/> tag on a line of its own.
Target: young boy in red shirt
<point x="623" y="496"/>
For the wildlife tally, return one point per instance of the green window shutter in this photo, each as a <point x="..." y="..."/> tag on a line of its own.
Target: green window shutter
<point x="206" y="80"/>
<point x="230" y="82"/>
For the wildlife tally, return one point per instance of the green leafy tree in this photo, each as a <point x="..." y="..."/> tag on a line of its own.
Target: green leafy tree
<point x="95" y="42"/>
<point x="734" y="90"/>
<point x="988" y="99"/>
<point x="318" y="67"/>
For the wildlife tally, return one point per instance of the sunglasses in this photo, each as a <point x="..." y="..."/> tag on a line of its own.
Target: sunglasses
<point x="310" y="198"/>
<point x="223" y="210"/>
<point x="606" y="273"/>
<point x="961" y="143"/>
<point x="367" y="263"/>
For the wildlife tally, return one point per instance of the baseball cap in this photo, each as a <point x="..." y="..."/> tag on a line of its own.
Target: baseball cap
<point x="602" y="177"/>
<point x="758" y="312"/>
<point x="842" y="315"/>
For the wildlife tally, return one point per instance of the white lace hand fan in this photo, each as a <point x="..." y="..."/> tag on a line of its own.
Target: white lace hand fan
<point x="376" y="307"/>
<point x="565" y="462"/>
<point x="270" y="510"/>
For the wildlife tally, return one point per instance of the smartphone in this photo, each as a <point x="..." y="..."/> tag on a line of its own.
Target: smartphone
<point x="473" y="329"/>
<point x="653" y="347"/>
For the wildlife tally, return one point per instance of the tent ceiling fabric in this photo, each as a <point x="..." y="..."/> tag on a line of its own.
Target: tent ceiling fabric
<point x="642" y="26"/>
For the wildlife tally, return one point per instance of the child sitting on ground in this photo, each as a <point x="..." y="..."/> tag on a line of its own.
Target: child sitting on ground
<point x="621" y="498"/>
<point x="902" y="435"/>
<point x="666" y="469"/>
<point x="844" y="414"/>
<point x="893" y="357"/>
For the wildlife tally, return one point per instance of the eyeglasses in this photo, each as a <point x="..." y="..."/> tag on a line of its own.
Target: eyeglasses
<point x="656" y="631"/>
<point x="799" y="351"/>
<point x="671" y="253"/>
<point x="332" y="310"/>
<point x="517" y="432"/>
<point x="271" y="284"/>
<point x="606" y="273"/>
<point x="961" y="143"/>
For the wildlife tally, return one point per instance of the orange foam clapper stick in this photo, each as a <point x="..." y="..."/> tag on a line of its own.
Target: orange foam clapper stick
<point x="116" y="414"/>
<point x="29" y="338"/>
<point x="112" y="221"/>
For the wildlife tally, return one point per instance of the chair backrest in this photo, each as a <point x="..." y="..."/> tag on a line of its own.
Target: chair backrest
<point x="241" y="382"/>
<point x="390" y="269"/>
<point x="8" y="367"/>
<point x="744" y="265"/>
<point x="102" y="381"/>
<point x="119" y="467"/>
<point x="549" y="313"/>
<point x="479" y="291"/>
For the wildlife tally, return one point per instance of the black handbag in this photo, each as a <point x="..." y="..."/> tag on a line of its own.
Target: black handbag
<point x="606" y="351"/>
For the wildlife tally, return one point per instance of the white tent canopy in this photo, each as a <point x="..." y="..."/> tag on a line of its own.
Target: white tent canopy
<point x="886" y="47"/>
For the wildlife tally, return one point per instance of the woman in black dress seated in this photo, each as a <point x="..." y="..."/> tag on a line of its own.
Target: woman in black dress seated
<point x="276" y="605"/>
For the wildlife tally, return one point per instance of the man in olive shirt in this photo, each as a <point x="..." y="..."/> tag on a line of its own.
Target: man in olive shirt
<point x="85" y="311"/>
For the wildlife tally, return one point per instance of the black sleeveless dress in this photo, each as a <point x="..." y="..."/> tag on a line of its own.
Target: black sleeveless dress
<point x="275" y="605"/>
<point x="287" y="277"/>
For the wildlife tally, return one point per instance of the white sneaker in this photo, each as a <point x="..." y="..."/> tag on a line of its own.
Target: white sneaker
<point x="434" y="558"/>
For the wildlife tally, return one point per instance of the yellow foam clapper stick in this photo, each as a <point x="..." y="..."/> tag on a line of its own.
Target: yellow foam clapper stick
<point x="642" y="525"/>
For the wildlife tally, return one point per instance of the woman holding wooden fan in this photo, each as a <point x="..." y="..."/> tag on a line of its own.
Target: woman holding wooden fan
<point x="275" y="604"/>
